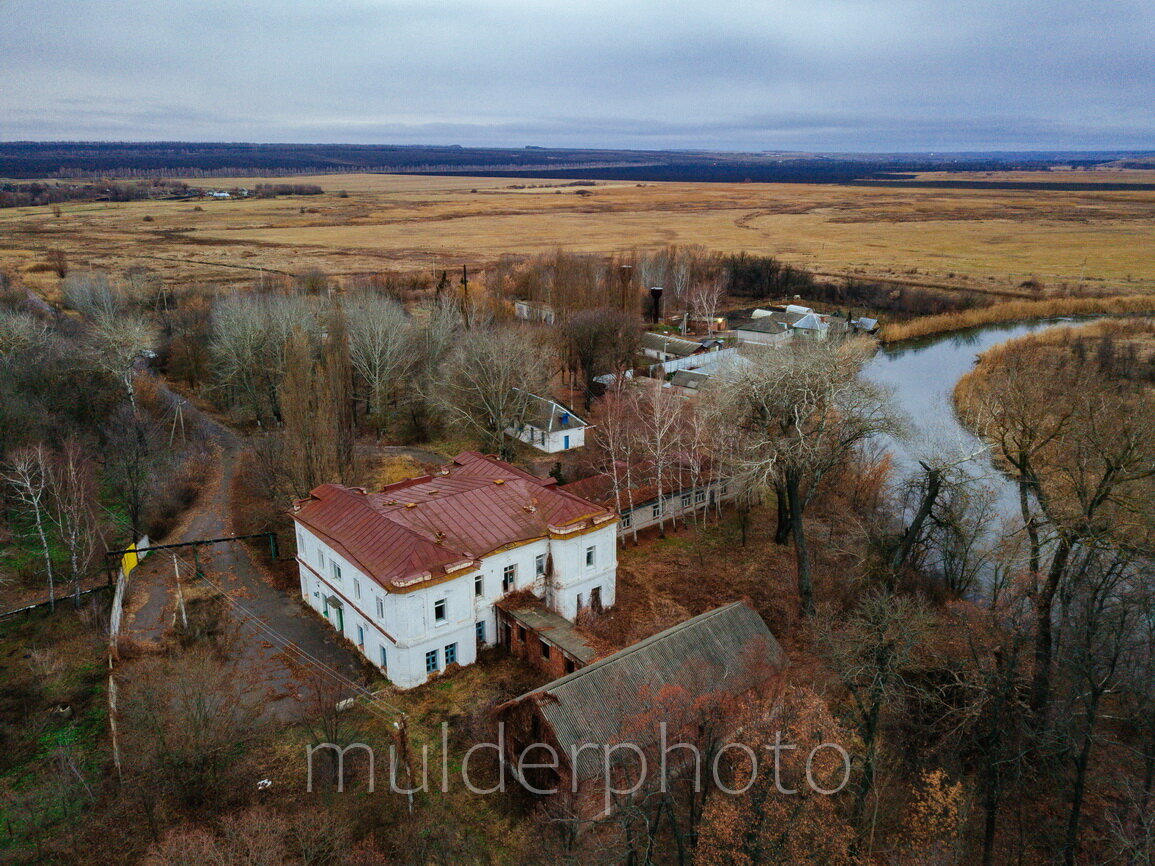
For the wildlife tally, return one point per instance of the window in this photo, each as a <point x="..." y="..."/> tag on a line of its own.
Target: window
<point x="591" y="556"/>
<point x="356" y="588"/>
<point x="508" y="578"/>
<point x="626" y="520"/>
<point x="302" y="548"/>
<point x="685" y="500"/>
<point x="699" y="496"/>
<point x="521" y="633"/>
<point x="481" y="632"/>
<point x="431" y="664"/>
<point x="384" y="658"/>
<point x="724" y="489"/>
<point x="479" y="585"/>
<point x="360" y="635"/>
<point x="451" y="655"/>
<point x="544" y="648"/>
<point x="335" y="570"/>
<point x="539" y="564"/>
<point x="657" y="509"/>
<point x="380" y="608"/>
<point x="439" y="610"/>
<point x="569" y="666"/>
<point x="579" y="603"/>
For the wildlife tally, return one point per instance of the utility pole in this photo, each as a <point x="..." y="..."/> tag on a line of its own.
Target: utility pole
<point x="179" y="596"/>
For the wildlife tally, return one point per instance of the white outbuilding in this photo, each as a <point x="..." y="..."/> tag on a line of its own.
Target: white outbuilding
<point x="549" y="426"/>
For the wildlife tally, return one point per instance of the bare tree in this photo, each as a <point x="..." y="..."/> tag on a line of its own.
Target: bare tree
<point x="617" y="448"/>
<point x="662" y="435"/>
<point x="601" y="341"/>
<point x="92" y="295"/>
<point x="1099" y="621"/>
<point x="118" y="343"/>
<point x="1083" y="466"/>
<point x="20" y="333"/>
<point x="488" y="381"/>
<point x="704" y="299"/>
<point x="312" y="452"/>
<point x="338" y="370"/>
<point x="186" y="721"/>
<point x="794" y="415"/>
<point x="133" y="456"/>
<point x="872" y="650"/>
<point x="379" y="346"/>
<point x="28" y="476"/>
<point x="249" y="336"/>
<point x="681" y="273"/>
<point x="73" y="488"/>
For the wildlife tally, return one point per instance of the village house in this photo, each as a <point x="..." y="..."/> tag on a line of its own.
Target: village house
<point x="689" y="485"/>
<point x="774" y="326"/>
<point x="549" y="426"/>
<point x="665" y="347"/>
<point x="412" y="575"/>
<point x="705" y="673"/>
<point x="534" y="311"/>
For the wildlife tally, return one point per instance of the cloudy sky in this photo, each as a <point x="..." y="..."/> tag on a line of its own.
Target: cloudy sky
<point x="849" y="75"/>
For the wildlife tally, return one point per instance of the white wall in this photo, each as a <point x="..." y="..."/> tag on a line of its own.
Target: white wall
<point x="405" y="624"/>
<point x="553" y="442"/>
<point x="763" y="338"/>
<point x="573" y="577"/>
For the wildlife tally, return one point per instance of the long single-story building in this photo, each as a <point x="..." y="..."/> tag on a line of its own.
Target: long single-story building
<point x="706" y="671"/>
<point x="640" y="503"/>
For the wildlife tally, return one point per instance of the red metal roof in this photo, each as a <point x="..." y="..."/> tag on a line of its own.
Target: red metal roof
<point x="424" y="528"/>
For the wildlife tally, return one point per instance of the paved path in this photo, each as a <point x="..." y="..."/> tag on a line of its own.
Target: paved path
<point x="284" y="678"/>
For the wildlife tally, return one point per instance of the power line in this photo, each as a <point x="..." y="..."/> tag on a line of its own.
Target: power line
<point x="289" y="644"/>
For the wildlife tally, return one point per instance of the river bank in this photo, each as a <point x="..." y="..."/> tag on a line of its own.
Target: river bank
<point x="1016" y="311"/>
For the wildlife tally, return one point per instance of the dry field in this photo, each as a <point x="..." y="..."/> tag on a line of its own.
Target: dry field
<point x="988" y="239"/>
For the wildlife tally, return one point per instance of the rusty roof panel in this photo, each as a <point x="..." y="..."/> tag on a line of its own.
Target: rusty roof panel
<point x="622" y="697"/>
<point x="431" y="524"/>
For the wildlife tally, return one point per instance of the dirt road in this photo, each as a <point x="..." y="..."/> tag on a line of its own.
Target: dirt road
<point x="265" y="619"/>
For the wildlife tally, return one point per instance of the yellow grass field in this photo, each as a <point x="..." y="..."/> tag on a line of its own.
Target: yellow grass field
<point x="984" y="239"/>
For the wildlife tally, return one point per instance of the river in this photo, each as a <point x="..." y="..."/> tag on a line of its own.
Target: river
<point x="922" y="373"/>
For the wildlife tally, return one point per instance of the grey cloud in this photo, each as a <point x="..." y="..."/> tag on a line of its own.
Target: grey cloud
<point x="792" y="74"/>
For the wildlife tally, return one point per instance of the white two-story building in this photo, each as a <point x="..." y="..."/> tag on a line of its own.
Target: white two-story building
<point x="410" y="575"/>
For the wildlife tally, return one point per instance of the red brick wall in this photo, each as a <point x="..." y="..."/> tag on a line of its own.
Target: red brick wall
<point x="528" y="648"/>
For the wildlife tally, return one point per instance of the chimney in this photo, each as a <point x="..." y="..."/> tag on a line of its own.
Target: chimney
<point x="656" y="295"/>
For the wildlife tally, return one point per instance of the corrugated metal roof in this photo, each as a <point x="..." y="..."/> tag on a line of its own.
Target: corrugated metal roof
<point x="677" y="346"/>
<point x="424" y="527"/>
<point x="726" y="651"/>
<point x="689" y="379"/>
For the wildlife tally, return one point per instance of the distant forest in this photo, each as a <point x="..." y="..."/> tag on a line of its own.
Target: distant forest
<point x="91" y="160"/>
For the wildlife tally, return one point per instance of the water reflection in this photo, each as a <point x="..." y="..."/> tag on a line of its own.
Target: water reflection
<point x="922" y="374"/>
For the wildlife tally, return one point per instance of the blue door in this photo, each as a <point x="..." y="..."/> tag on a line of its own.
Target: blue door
<point x="565" y="443"/>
